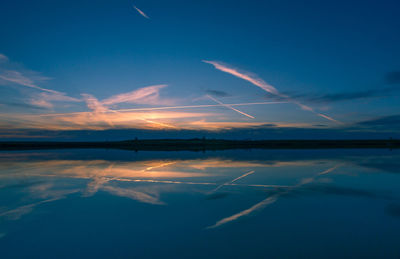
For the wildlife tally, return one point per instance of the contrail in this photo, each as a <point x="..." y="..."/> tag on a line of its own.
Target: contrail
<point x="197" y="106"/>
<point x="171" y="108"/>
<point x="269" y="200"/>
<point x="141" y="12"/>
<point x="265" y="86"/>
<point x="229" y="107"/>
<point x="158" y="123"/>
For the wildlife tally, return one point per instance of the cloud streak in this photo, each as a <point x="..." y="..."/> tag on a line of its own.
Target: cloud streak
<point x="145" y="95"/>
<point x="3" y="58"/>
<point x="18" y="78"/>
<point x="264" y="85"/>
<point x="30" y="79"/>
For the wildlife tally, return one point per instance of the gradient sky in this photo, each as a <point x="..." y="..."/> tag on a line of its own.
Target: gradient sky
<point x="84" y="65"/>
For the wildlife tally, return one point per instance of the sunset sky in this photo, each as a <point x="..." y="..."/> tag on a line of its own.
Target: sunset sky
<point x="237" y="69"/>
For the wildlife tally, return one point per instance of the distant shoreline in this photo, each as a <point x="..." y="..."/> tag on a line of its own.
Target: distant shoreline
<point x="201" y="144"/>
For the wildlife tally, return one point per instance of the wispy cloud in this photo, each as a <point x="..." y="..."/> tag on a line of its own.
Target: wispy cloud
<point x="230" y="107"/>
<point x="98" y="120"/>
<point x="343" y="96"/>
<point x="3" y="58"/>
<point x="94" y="104"/>
<point x="386" y="123"/>
<point x="45" y="100"/>
<point x="16" y="77"/>
<point x="263" y="85"/>
<point x="245" y="76"/>
<point x="10" y="75"/>
<point x="144" y="95"/>
<point x="141" y="12"/>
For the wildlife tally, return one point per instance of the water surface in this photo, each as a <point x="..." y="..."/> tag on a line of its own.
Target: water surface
<point x="243" y="203"/>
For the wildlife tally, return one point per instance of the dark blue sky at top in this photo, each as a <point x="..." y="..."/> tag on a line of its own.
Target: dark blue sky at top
<point x="332" y="55"/>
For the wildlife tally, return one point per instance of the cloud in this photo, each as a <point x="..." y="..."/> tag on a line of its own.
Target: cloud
<point x="3" y="58"/>
<point x="25" y="105"/>
<point x="16" y="77"/>
<point x="245" y="76"/>
<point x="255" y="80"/>
<point x="145" y="95"/>
<point x="94" y="104"/>
<point x="340" y="97"/>
<point x="44" y="100"/>
<point x="100" y="120"/>
<point x="386" y="122"/>
<point x="217" y="93"/>
<point x="31" y="79"/>
<point x="141" y="12"/>
<point x="393" y="77"/>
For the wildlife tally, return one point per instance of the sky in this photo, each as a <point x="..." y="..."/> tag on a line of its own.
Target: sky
<point x="229" y="69"/>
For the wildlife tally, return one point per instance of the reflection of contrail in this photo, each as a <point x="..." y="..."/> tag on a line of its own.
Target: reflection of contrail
<point x="230" y="182"/>
<point x="141" y="12"/>
<point x="263" y="85"/>
<point x="196" y="183"/>
<point x="230" y="107"/>
<point x="257" y="206"/>
<point x="269" y="200"/>
<point x="158" y="166"/>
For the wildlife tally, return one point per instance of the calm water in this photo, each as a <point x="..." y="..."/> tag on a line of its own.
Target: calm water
<point x="105" y="203"/>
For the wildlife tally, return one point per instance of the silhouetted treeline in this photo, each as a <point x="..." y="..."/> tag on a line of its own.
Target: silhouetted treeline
<point x="204" y="144"/>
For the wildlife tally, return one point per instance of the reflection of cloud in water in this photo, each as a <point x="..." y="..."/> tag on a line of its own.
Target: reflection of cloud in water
<point x="144" y="181"/>
<point x="47" y="184"/>
<point x="134" y="195"/>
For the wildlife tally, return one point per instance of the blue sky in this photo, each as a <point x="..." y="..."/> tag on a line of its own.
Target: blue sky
<point x="73" y="65"/>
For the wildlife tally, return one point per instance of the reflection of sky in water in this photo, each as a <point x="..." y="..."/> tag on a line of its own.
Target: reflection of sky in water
<point x="325" y="204"/>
